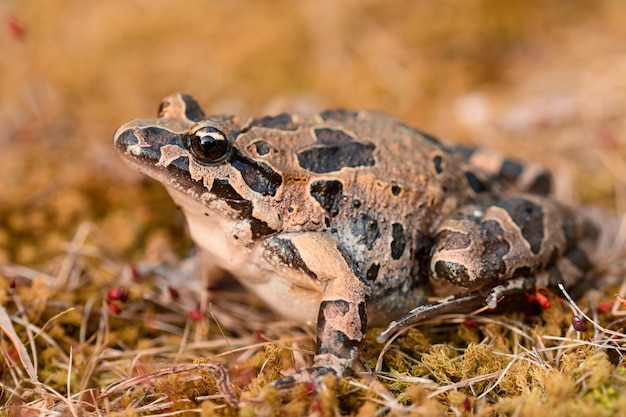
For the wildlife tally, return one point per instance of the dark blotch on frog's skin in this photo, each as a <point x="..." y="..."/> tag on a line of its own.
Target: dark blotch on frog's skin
<point x="522" y="272"/>
<point x="529" y="218"/>
<point x="363" y="316"/>
<point x="437" y="162"/>
<point x="395" y="190"/>
<point x="372" y="272"/>
<point x="365" y="229"/>
<point x="259" y="228"/>
<point x="576" y="256"/>
<point x="192" y="109"/>
<point x="339" y="115"/>
<point x="464" y="151"/>
<point x="495" y="249"/>
<point x="328" y="194"/>
<point x="182" y="163"/>
<point x="475" y="183"/>
<point x="420" y="253"/>
<point x="332" y="136"/>
<point x="261" y="147"/>
<point x="338" y="340"/>
<point x="399" y="241"/>
<point x="340" y="151"/>
<point x="325" y="159"/>
<point x="157" y="137"/>
<point x="454" y="240"/>
<point x="455" y="273"/>
<point x="346" y="256"/>
<point x="288" y="254"/>
<point x="330" y="310"/>
<point x="125" y="139"/>
<point x="554" y="256"/>
<point x="257" y="175"/>
<point x="223" y="190"/>
<point x="569" y="228"/>
<point x="542" y="184"/>
<point x="281" y="121"/>
<point x="510" y="170"/>
<point x="336" y="308"/>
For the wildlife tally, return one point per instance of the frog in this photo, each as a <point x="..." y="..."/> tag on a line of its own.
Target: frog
<point x="345" y="219"/>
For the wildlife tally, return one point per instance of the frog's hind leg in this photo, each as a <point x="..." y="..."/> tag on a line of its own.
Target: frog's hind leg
<point x="529" y="178"/>
<point x="484" y="252"/>
<point x="486" y="244"/>
<point x="567" y="270"/>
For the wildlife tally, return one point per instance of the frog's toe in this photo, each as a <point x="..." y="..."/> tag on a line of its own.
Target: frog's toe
<point x="458" y="303"/>
<point x="310" y="376"/>
<point x="465" y="303"/>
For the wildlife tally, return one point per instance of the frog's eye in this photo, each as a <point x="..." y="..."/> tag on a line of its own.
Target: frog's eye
<point x="208" y="145"/>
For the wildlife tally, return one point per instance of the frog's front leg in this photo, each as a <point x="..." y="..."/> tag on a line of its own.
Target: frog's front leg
<point x="342" y="319"/>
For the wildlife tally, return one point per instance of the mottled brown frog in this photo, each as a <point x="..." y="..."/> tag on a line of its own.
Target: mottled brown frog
<point x="350" y="218"/>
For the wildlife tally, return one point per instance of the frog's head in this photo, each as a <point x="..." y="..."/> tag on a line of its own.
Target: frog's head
<point x="181" y="148"/>
<point x="198" y="160"/>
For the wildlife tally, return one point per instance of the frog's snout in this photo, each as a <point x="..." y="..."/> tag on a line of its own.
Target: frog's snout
<point x="124" y="137"/>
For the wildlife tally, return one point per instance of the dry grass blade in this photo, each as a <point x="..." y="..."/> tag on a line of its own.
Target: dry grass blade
<point x="7" y="327"/>
<point x="218" y="371"/>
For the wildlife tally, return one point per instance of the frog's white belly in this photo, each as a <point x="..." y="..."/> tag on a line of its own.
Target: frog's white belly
<point x="287" y="299"/>
<point x="207" y="229"/>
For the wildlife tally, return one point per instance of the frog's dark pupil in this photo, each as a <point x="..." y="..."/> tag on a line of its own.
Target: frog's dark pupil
<point x="208" y="144"/>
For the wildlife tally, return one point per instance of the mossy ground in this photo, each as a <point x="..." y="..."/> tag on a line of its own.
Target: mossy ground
<point x="543" y="81"/>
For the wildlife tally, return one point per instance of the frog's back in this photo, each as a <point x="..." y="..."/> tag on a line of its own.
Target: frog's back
<point x="340" y="142"/>
<point x="378" y="186"/>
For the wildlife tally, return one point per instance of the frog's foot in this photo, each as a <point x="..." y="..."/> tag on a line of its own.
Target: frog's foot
<point x="310" y="376"/>
<point x="459" y="303"/>
<point x="334" y="363"/>
<point x="464" y="303"/>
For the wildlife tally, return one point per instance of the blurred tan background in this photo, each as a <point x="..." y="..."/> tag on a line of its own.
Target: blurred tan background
<point x="542" y="80"/>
